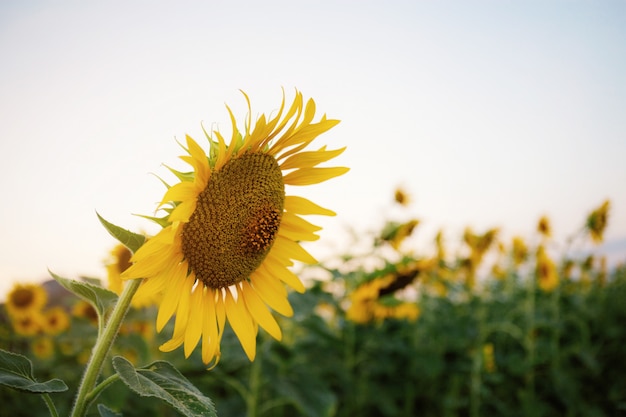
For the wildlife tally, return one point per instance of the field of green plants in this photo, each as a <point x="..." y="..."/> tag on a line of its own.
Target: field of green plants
<point x="488" y="328"/>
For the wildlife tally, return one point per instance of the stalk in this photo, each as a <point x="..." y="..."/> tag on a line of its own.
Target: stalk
<point x="102" y="347"/>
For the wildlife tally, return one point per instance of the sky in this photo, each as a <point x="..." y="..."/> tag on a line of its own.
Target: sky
<point x="488" y="113"/>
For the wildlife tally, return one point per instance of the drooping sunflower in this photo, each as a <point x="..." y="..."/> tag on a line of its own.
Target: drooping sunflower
<point x="231" y="232"/>
<point x="25" y="299"/>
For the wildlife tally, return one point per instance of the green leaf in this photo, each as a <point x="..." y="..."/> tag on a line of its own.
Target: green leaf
<point x="100" y="298"/>
<point x="132" y="241"/>
<point x="16" y="371"/>
<point x="160" y="379"/>
<point x="107" y="412"/>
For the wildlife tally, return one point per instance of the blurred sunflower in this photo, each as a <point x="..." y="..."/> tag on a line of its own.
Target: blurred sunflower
<point x="43" y="347"/>
<point x="83" y="309"/>
<point x="118" y="263"/>
<point x="395" y="233"/>
<point x="520" y="251"/>
<point x="543" y="227"/>
<point x="28" y="324"/>
<point x="230" y="232"/>
<point x="547" y="275"/>
<point x="55" y="320"/>
<point x="489" y="360"/>
<point x="401" y="197"/>
<point x="24" y="299"/>
<point x="597" y="221"/>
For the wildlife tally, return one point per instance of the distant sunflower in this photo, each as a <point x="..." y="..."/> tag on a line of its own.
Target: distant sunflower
<point x="43" y="347"/>
<point x="25" y="299"/>
<point x="55" y="320"/>
<point x="597" y="221"/>
<point x="230" y="232"/>
<point x="83" y="309"/>
<point x="28" y="325"/>
<point x="543" y="227"/>
<point x="547" y="274"/>
<point x="116" y="265"/>
<point x="401" y="197"/>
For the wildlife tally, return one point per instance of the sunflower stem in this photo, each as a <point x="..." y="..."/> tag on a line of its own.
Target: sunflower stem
<point x="50" y="405"/>
<point x="102" y="347"/>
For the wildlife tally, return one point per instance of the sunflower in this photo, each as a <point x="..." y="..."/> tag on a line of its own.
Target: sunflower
<point x="520" y="250"/>
<point x="29" y="324"/>
<point x="43" y="347"/>
<point x="401" y="197"/>
<point x="118" y="263"/>
<point x="230" y="232"/>
<point x="55" y="320"/>
<point x="24" y="299"/>
<point x="543" y="227"/>
<point x="597" y="221"/>
<point x="547" y="274"/>
<point x="83" y="309"/>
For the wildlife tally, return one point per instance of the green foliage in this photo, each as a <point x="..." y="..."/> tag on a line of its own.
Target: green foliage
<point x="16" y="371"/>
<point x="100" y="298"/>
<point x="160" y="379"/>
<point x="131" y="240"/>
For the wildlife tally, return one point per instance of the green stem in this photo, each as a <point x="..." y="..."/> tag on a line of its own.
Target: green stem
<point x="477" y="363"/>
<point x="93" y="395"/>
<point x="556" y="334"/>
<point x="252" y="399"/>
<point x="102" y="347"/>
<point x="530" y="345"/>
<point x="50" y="404"/>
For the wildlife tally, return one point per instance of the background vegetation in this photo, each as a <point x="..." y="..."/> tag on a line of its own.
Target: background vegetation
<point x="492" y="328"/>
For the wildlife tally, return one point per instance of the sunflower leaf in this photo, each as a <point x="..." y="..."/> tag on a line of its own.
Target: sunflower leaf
<point x="100" y="298"/>
<point x="160" y="379"/>
<point x="132" y="241"/>
<point x="107" y="412"/>
<point x="16" y="371"/>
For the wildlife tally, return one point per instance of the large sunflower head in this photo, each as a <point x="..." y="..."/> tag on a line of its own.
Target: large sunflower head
<point x="230" y="232"/>
<point x="25" y="299"/>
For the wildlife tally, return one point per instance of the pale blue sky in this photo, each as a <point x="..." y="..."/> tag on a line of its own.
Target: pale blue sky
<point x="490" y="113"/>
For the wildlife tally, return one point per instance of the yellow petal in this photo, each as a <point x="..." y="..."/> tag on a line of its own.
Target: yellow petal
<point x="241" y="322"/>
<point x="259" y="311"/>
<point x="183" y="191"/>
<point x="210" y="341"/>
<point x="301" y="205"/>
<point x="278" y="270"/>
<point x="182" y="317"/>
<point x="285" y="248"/>
<point x="308" y="176"/>
<point x="310" y="159"/>
<point x="271" y="291"/>
<point x="194" y="324"/>
<point x="171" y="296"/>
<point x="296" y="228"/>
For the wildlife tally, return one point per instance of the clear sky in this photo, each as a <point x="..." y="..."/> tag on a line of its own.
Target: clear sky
<point x="489" y="113"/>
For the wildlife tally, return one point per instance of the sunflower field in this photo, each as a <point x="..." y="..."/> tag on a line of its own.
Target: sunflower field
<point x="223" y="312"/>
<point x="495" y="329"/>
